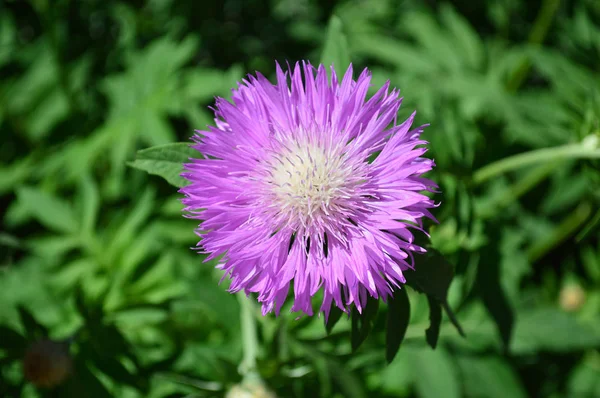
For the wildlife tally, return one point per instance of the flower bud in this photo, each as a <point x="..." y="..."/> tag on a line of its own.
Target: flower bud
<point x="572" y="297"/>
<point x="47" y="363"/>
<point x="250" y="390"/>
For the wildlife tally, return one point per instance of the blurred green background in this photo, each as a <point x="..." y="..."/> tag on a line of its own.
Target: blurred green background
<point x="96" y="253"/>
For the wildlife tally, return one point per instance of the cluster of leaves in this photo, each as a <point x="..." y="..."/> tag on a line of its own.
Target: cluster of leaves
<point x="96" y="254"/>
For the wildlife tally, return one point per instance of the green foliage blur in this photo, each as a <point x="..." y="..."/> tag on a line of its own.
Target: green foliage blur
<point x="95" y="258"/>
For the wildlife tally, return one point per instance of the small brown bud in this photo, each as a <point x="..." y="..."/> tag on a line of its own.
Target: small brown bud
<point x="47" y="363"/>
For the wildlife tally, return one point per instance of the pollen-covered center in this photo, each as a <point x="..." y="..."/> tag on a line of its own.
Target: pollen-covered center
<point x="312" y="184"/>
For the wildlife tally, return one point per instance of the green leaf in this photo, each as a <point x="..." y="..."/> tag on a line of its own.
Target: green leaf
<point x="202" y="84"/>
<point x="54" y="247"/>
<point x="12" y="342"/>
<point x="488" y="283"/>
<point x="33" y="329"/>
<point x="165" y="161"/>
<point x="51" y="211"/>
<point x="489" y="377"/>
<point x="584" y="381"/>
<point x="551" y="330"/>
<point x="86" y="384"/>
<point x="111" y="366"/>
<point x="467" y="40"/>
<point x="435" y="320"/>
<point x="89" y="203"/>
<point x="398" y="317"/>
<point x="335" y="49"/>
<point x="362" y="323"/>
<point x="15" y="173"/>
<point x="435" y="374"/>
<point x="432" y="276"/>
<point x="334" y="316"/>
<point x="349" y="383"/>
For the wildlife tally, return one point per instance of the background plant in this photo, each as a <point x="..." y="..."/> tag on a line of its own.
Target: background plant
<point x="97" y="253"/>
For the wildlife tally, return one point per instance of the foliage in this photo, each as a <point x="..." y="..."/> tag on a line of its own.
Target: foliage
<point x="96" y="254"/>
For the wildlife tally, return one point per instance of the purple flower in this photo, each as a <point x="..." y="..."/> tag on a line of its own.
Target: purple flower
<point x="310" y="185"/>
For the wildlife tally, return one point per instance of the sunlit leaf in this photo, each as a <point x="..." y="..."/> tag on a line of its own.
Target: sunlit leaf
<point x="335" y="49"/>
<point x="165" y="161"/>
<point x="435" y="374"/>
<point x="567" y="333"/>
<point x="489" y="376"/>
<point x="51" y="211"/>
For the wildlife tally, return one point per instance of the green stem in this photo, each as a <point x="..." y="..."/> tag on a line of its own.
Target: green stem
<point x="570" y="151"/>
<point x="248" y="368"/>
<point x="562" y="232"/>
<point x="518" y="189"/>
<point x="536" y="36"/>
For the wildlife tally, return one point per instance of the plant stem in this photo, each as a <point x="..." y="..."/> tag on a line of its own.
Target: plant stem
<point x="518" y="189"/>
<point x="570" y="151"/>
<point x="562" y="232"/>
<point x="249" y="339"/>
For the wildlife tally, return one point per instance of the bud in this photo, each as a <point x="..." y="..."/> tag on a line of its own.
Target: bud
<point x="47" y="363"/>
<point x="572" y="297"/>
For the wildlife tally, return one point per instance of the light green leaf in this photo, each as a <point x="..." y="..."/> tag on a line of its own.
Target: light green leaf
<point x="489" y="377"/>
<point x="53" y="247"/>
<point x="128" y="229"/>
<point x="203" y="84"/>
<point x="467" y="39"/>
<point x="165" y="161"/>
<point x="51" y="211"/>
<point x="89" y="203"/>
<point x="335" y="50"/>
<point x="584" y="381"/>
<point x="435" y="374"/>
<point x="13" y="174"/>
<point x="551" y="330"/>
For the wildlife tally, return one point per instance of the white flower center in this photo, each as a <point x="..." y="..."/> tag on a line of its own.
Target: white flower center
<point x="310" y="183"/>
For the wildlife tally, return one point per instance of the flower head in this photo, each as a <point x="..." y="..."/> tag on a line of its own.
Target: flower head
<point x="306" y="183"/>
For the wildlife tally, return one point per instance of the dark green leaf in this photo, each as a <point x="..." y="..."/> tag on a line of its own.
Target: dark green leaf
<point x="334" y="316"/>
<point x="349" y="383"/>
<point x="362" y="323"/>
<point x="84" y="384"/>
<point x="112" y="367"/>
<point x="335" y="50"/>
<point x="453" y="318"/>
<point x="33" y="329"/>
<point x="435" y="319"/>
<point x="489" y="288"/>
<point x="12" y="342"/>
<point x="398" y="317"/>
<point x="432" y="276"/>
<point x="165" y="161"/>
